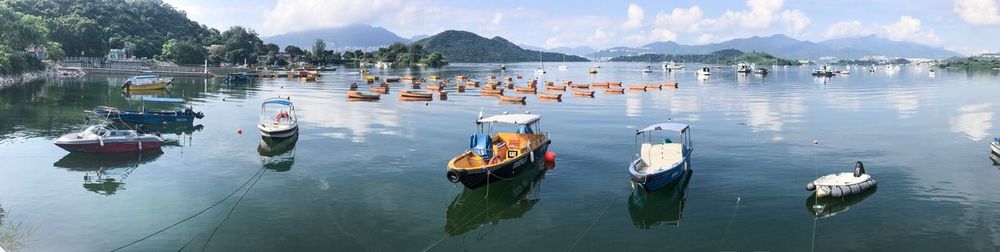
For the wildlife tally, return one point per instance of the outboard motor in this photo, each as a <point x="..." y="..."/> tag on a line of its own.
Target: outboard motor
<point x="127" y="84"/>
<point x="859" y="169"/>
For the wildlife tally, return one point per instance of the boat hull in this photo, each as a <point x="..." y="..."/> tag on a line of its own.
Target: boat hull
<point x="479" y="177"/>
<point x="154" y="86"/>
<point x="654" y="181"/>
<point x="995" y="146"/>
<point x="110" y="146"/>
<point x="283" y="133"/>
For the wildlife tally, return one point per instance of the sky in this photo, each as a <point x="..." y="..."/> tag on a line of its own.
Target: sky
<point x="965" y="26"/>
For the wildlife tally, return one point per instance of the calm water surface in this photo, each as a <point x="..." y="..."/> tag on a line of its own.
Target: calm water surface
<point x="371" y="176"/>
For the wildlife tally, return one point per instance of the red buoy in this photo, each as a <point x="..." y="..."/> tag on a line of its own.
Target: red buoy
<point x="239" y="131"/>
<point x="550" y="156"/>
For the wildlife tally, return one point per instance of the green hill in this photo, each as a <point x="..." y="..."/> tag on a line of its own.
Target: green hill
<point x="463" y="46"/>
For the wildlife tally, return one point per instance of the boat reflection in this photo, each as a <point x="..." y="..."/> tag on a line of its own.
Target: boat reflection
<point x="829" y="206"/>
<point x="278" y="154"/>
<point x="105" y="173"/>
<point x="996" y="160"/>
<point x="664" y="206"/>
<point x="488" y="205"/>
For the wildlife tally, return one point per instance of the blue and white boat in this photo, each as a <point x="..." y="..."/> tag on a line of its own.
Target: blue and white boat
<point x="147" y="116"/>
<point x="995" y="146"/>
<point x="277" y="118"/>
<point x="660" y="161"/>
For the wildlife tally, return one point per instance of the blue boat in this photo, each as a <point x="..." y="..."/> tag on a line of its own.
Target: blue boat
<point x="147" y="116"/>
<point x="660" y="161"/>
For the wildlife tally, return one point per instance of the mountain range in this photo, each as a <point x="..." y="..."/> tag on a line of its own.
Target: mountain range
<point x="786" y="47"/>
<point x="350" y="37"/>
<point x="463" y="46"/>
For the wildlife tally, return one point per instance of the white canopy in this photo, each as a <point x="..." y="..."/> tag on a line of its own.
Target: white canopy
<point x="522" y="119"/>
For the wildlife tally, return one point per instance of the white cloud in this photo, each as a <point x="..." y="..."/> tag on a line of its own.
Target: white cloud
<point x="635" y="17"/>
<point x="844" y="29"/>
<point x="795" y="20"/>
<point x="978" y="12"/>
<point x="662" y="34"/>
<point x="907" y="28"/>
<point x="292" y="15"/>
<point x="706" y="38"/>
<point x="975" y="121"/>
<point x="680" y="19"/>
<point x="497" y="18"/>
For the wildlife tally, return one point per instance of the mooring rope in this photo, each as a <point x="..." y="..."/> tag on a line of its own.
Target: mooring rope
<point x="725" y="235"/>
<point x="193" y="215"/>
<point x="231" y="210"/>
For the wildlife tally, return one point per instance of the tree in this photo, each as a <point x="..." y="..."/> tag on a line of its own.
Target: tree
<point x="183" y="52"/>
<point x="272" y="49"/>
<point x="293" y="51"/>
<point x="78" y="35"/>
<point x="238" y="45"/>
<point x="434" y="60"/>
<point x="319" y="51"/>
<point x="54" y="51"/>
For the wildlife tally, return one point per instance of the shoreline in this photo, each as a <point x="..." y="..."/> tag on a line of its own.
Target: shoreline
<point x="17" y="79"/>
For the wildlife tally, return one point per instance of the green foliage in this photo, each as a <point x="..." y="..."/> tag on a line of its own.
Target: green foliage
<point x="238" y="45"/>
<point x="294" y="51"/>
<point x="319" y="51"/>
<point x="400" y="55"/>
<point x="461" y="46"/>
<point x="54" y="50"/>
<point x="183" y="52"/>
<point x="92" y="27"/>
<point x="727" y="56"/>
<point x="17" y="32"/>
<point x="970" y="63"/>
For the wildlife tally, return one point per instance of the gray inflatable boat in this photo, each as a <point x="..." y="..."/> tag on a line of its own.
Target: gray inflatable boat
<point x="842" y="184"/>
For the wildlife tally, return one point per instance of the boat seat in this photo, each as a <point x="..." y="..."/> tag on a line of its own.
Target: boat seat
<point x="481" y="145"/>
<point x="660" y="156"/>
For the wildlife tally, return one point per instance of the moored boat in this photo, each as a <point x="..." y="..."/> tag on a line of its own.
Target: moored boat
<point x="600" y="84"/>
<point x="555" y="88"/>
<point x="487" y="92"/>
<point x="584" y="93"/>
<point x="499" y="156"/>
<point x="528" y="90"/>
<point x="147" y="116"/>
<point x="415" y="94"/>
<point x="670" y="85"/>
<point x="580" y="86"/>
<point x="277" y="118"/>
<point x="511" y="98"/>
<point x="146" y="82"/>
<point x="704" y="71"/>
<point x="637" y="88"/>
<point x="654" y="86"/>
<point x="661" y="162"/>
<point x="362" y="95"/>
<point x="592" y="70"/>
<point x="995" y="146"/>
<point x="842" y="184"/>
<point x="616" y="90"/>
<point x="382" y="89"/>
<point x="102" y="138"/>
<point x="549" y="96"/>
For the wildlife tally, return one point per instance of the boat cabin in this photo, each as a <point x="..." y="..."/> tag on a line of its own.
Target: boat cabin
<point x="516" y="135"/>
<point x="277" y="111"/>
<point x="657" y="152"/>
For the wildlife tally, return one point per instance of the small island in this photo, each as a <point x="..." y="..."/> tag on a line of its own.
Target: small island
<point x="724" y="57"/>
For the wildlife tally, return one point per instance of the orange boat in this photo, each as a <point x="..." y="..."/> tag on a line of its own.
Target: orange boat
<point x="615" y="84"/>
<point x="600" y="84"/>
<point x="361" y="95"/>
<point x="549" y="96"/>
<point x="511" y="98"/>
<point x="670" y="85"/>
<point x="583" y="93"/>
<point x="580" y="86"/>
<point x="614" y="90"/>
<point x="525" y="90"/>
<point x="437" y="87"/>
<point x="487" y="92"/>
<point x="653" y="86"/>
<point x="415" y="94"/>
<point x="567" y="82"/>
<point x="637" y="88"/>
<point x="415" y="85"/>
<point x="559" y="88"/>
<point x="380" y="89"/>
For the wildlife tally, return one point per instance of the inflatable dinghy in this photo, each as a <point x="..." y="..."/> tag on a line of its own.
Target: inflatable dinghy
<point x="842" y="184"/>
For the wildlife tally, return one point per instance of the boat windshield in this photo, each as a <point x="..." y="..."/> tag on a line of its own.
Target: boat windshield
<point x="273" y="113"/>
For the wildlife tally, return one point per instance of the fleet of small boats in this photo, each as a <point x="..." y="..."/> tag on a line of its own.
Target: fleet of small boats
<point x="277" y="118"/>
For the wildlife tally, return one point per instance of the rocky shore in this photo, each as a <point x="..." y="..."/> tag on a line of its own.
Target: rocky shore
<point x="10" y="80"/>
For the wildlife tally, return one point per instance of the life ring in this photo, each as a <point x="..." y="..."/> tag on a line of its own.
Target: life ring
<point x="280" y="115"/>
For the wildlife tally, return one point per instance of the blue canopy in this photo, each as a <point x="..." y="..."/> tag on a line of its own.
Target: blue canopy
<point x="162" y="100"/>
<point x="996" y="139"/>
<point x="677" y="127"/>
<point x="279" y="101"/>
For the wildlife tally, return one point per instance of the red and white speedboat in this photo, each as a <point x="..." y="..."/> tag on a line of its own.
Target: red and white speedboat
<point x="102" y="139"/>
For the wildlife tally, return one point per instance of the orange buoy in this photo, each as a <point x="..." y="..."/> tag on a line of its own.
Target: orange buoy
<point x="239" y="131"/>
<point x="550" y="156"/>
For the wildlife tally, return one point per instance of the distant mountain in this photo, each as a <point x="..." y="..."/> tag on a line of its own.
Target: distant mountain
<point x="889" y="47"/>
<point x="531" y="47"/>
<point x="419" y="37"/>
<point x="786" y="47"/>
<point x="726" y="56"/>
<point x="356" y="36"/>
<point x="582" y="51"/>
<point x="463" y="46"/>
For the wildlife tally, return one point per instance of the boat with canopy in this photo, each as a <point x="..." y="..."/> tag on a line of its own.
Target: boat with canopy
<point x="502" y="155"/>
<point x="148" y="116"/>
<point x="660" y="161"/>
<point x="277" y="118"/>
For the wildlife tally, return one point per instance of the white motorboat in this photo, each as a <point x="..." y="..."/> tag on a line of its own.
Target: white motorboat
<point x="842" y="184"/>
<point x="277" y="118"/>
<point x="705" y="71"/>
<point x="102" y="138"/>
<point x="539" y="70"/>
<point x="671" y="66"/>
<point x="995" y="146"/>
<point x="563" y="68"/>
<point x="648" y="69"/>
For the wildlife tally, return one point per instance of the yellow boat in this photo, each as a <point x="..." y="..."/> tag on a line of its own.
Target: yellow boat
<point x="146" y="82"/>
<point x="499" y="156"/>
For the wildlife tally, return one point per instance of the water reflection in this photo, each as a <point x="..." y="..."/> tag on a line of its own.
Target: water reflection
<point x="105" y="173"/>
<point x="487" y="206"/>
<point x="975" y="121"/>
<point x="664" y="206"/>
<point x="829" y="206"/>
<point x="996" y="160"/>
<point x="278" y="154"/>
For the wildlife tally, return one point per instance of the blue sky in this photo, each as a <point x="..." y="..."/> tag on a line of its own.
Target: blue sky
<point x="966" y="26"/>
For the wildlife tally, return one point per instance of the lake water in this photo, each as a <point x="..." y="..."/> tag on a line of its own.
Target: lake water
<point x="370" y="176"/>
